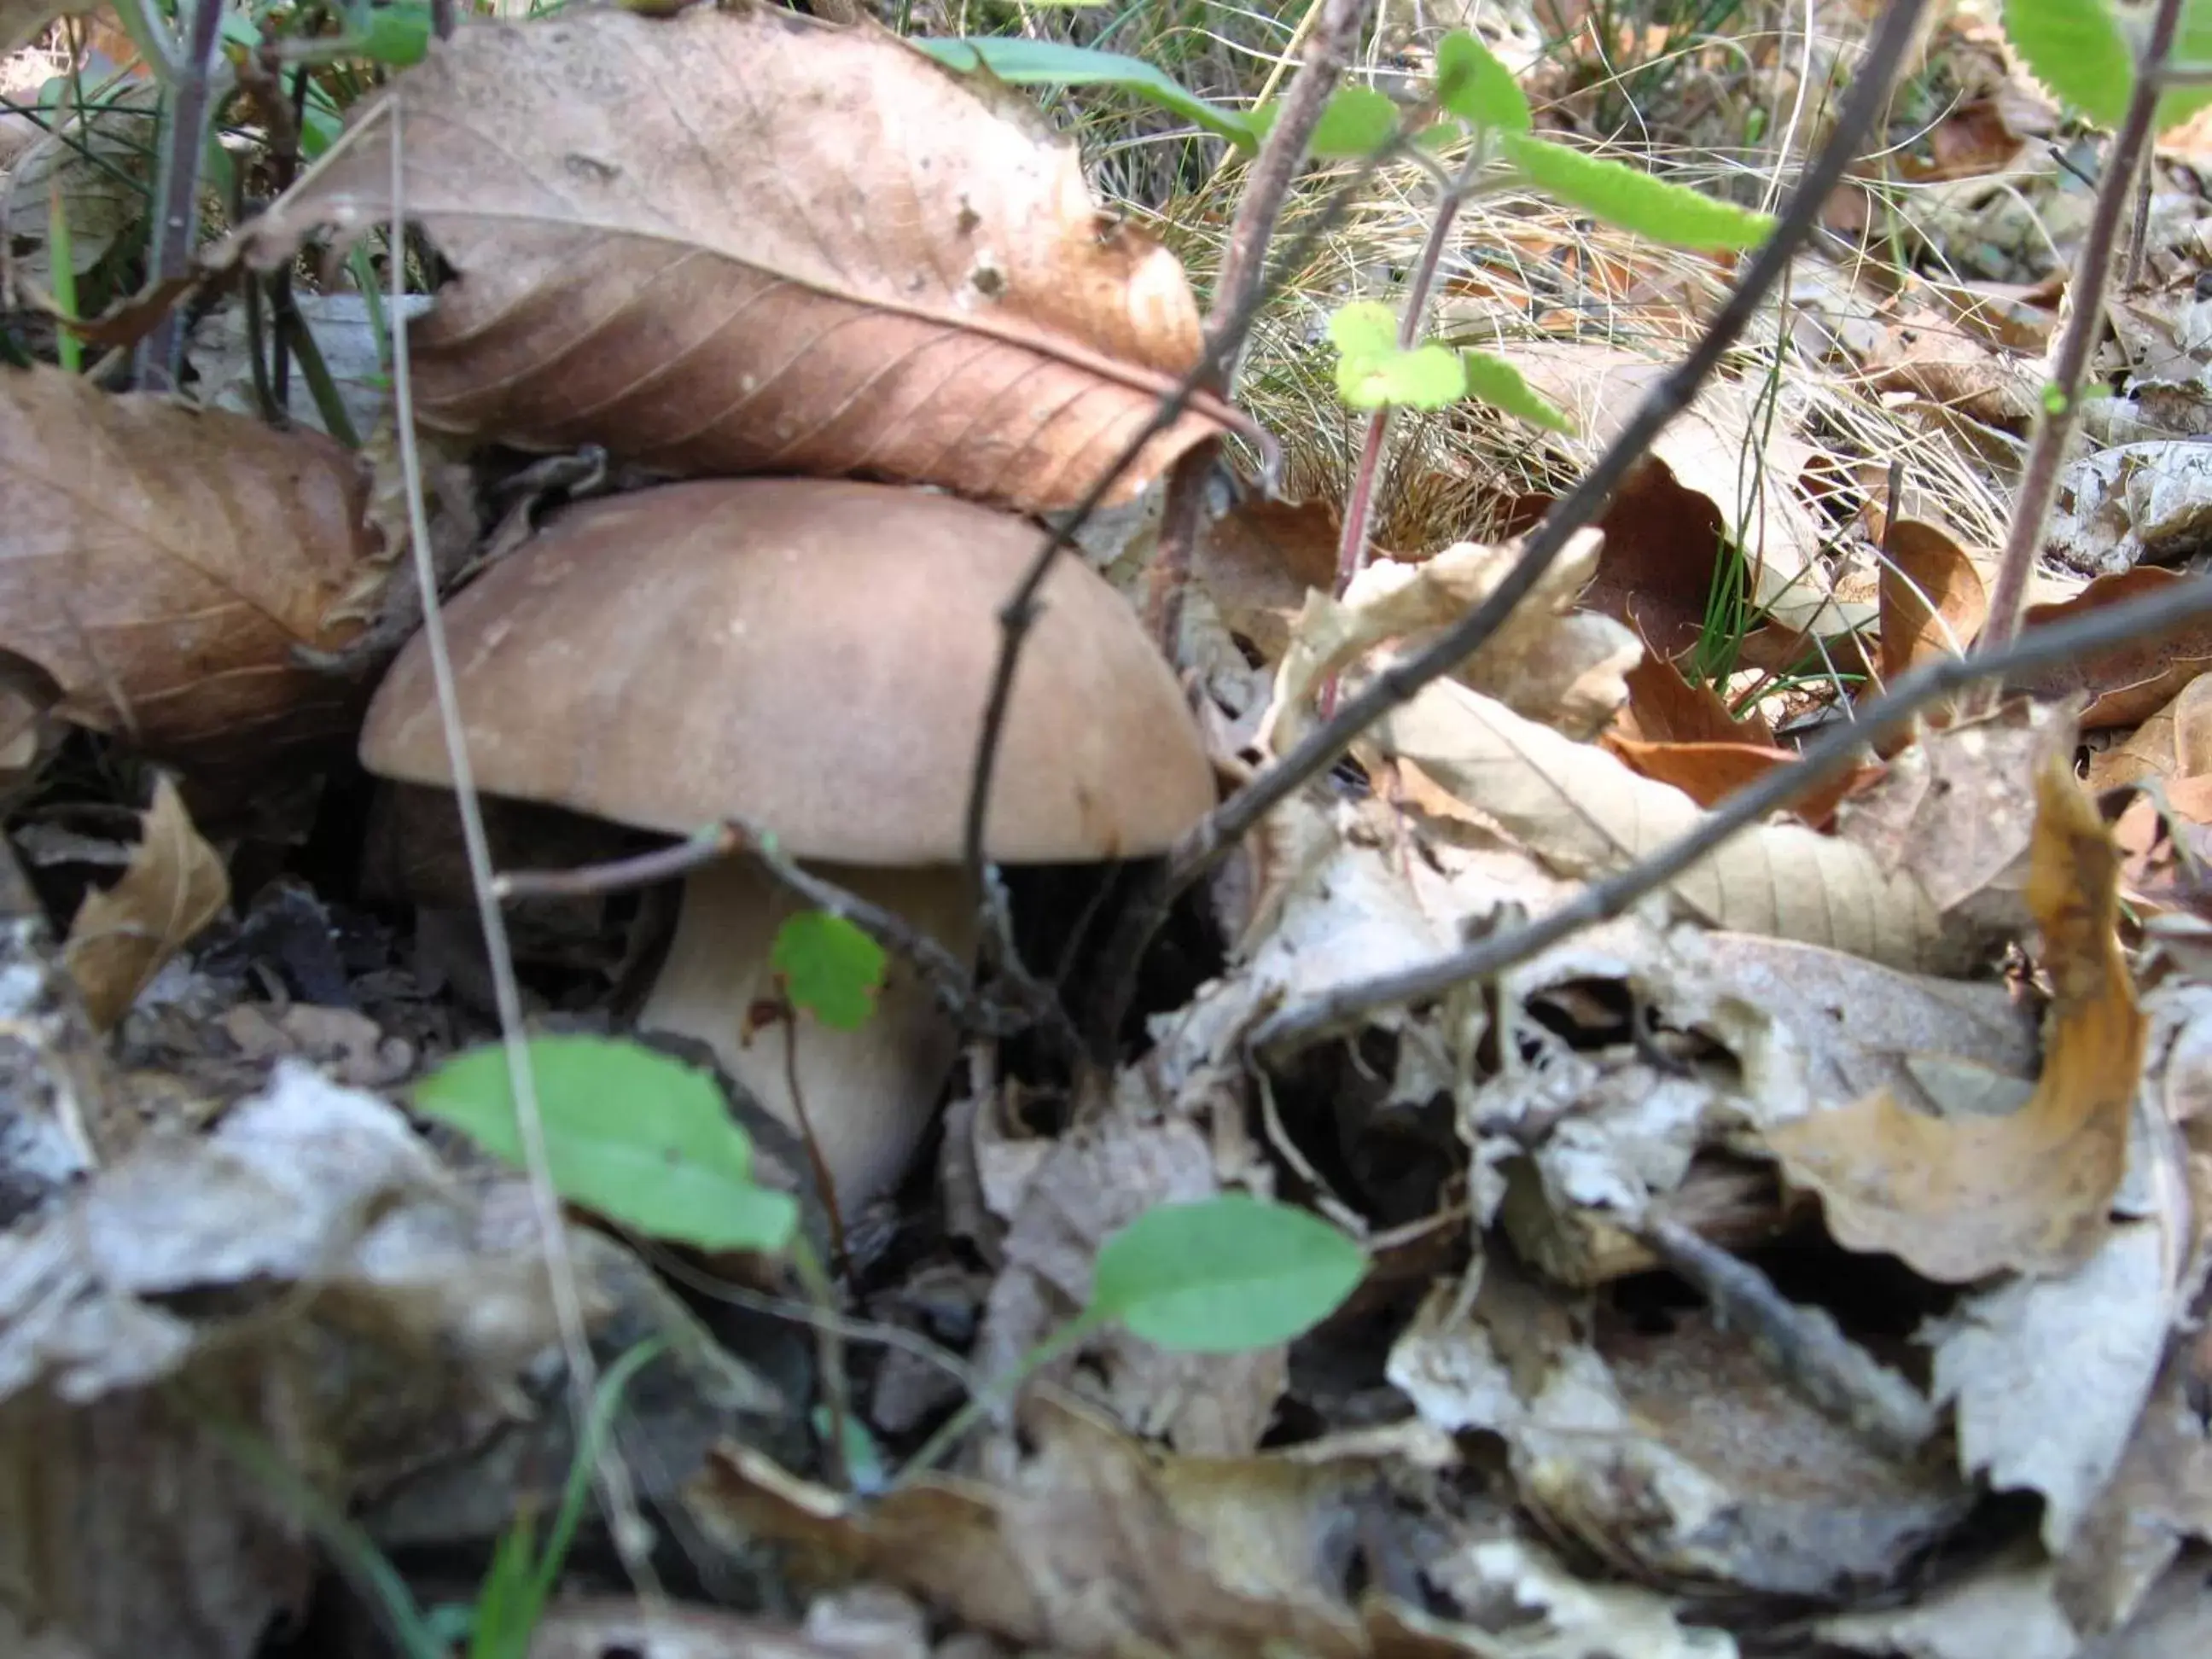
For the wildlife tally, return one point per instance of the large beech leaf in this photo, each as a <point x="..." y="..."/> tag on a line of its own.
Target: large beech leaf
<point x="741" y="242"/>
<point x="160" y="565"/>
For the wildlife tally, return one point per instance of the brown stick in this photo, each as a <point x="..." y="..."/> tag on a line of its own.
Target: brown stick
<point x="2093" y="266"/>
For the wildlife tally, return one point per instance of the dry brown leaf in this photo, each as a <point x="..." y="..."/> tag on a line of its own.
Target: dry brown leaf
<point x="1707" y="773"/>
<point x="1091" y="1546"/>
<point x="2029" y="1191"/>
<point x="1663" y="707"/>
<point x="174" y="886"/>
<point x="1584" y="813"/>
<point x="1723" y="470"/>
<point x="100" y="166"/>
<point x="737" y="241"/>
<point x="2125" y="684"/>
<point x="160" y="564"/>
<point x="2175" y="741"/>
<point x="1933" y="600"/>
<point x="1259" y="561"/>
<point x="1957" y="807"/>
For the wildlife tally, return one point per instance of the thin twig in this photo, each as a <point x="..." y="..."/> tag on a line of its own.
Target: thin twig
<point x="1019" y="611"/>
<point x="627" y="1526"/>
<point x="177" y="198"/>
<point x="1319" y="750"/>
<point x="1827" y="755"/>
<point x="1803" y="1345"/>
<point x="716" y="840"/>
<point x="1023" y="1005"/>
<point x="2093" y="265"/>
<point x="1243" y="268"/>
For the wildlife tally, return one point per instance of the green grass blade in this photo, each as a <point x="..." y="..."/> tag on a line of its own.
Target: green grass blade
<point x="1055" y="64"/>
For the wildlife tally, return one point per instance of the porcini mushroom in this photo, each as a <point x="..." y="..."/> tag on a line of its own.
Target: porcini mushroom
<point x="812" y="656"/>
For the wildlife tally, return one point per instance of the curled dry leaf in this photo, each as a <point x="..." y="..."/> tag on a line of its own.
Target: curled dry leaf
<point x="2125" y="684"/>
<point x="1663" y="707"/>
<point x="736" y="241"/>
<point x="1709" y="773"/>
<point x="174" y="886"/>
<point x="2175" y="741"/>
<point x="1584" y="813"/>
<point x="1544" y="661"/>
<point x="2029" y="1191"/>
<point x="1933" y="600"/>
<point x="160" y="565"/>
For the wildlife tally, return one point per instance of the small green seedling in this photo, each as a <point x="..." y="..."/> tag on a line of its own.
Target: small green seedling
<point x="640" y="1138"/>
<point x="1383" y="364"/>
<point x="1219" y="1275"/>
<point x="828" y="968"/>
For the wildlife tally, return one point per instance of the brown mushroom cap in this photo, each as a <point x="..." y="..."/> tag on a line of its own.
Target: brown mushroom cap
<point x="813" y="655"/>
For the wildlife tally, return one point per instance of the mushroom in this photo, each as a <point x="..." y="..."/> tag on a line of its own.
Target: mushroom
<point x="812" y="656"/>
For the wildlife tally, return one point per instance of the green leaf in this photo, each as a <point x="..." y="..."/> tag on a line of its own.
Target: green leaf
<point x="1224" y="1274"/>
<point x="2085" y="52"/>
<point x="1427" y="377"/>
<point x="1356" y="121"/>
<point x="397" y="34"/>
<point x="1475" y="86"/>
<point x="1497" y="383"/>
<point x="633" y="1134"/>
<point x="1372" y="369"/>
<point x="1055" y="63"/>
<point x="1364" y="328"/>
<point x="1633" y="200"/>
<point x="2078" y="50"/>
<point x="830" y="968"/>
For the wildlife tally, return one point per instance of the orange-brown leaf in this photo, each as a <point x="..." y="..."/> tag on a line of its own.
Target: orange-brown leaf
<point x="1707" y="773"/>
<point x="736" y="242"/>
<point x="174" y="886"/>
<point x="1933" y="601"/>
<point x="2129" y="683"/>
<point x="1960" y="1199"/>
<point x="159" y="563"/>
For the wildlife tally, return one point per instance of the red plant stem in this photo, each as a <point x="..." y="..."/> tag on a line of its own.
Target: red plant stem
<point x="2093" y="265"/>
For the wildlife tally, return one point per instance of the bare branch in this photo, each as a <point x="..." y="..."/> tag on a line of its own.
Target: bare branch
<point x="1835" y="749"/>
<point x="2093" y="266"/>
<point x="1319" y="750"/>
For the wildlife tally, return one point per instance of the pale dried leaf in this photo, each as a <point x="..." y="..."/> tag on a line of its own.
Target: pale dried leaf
<point x="160" y="564"/>
<point x="2133" y="504"/>
<point x="734" y="240"/>
<point x="2040" y="1408"/>
<point x="2029" y="1191"/>
<point x="100" y="165"/>
<point x="1547" y="662"/>
<point x="1585" y="813"/>
<point x="1956" y="809"/>
<point x="175" y="885"/>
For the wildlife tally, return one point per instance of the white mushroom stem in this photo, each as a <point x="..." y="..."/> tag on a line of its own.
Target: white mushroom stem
<point x="868" y="1093"/>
